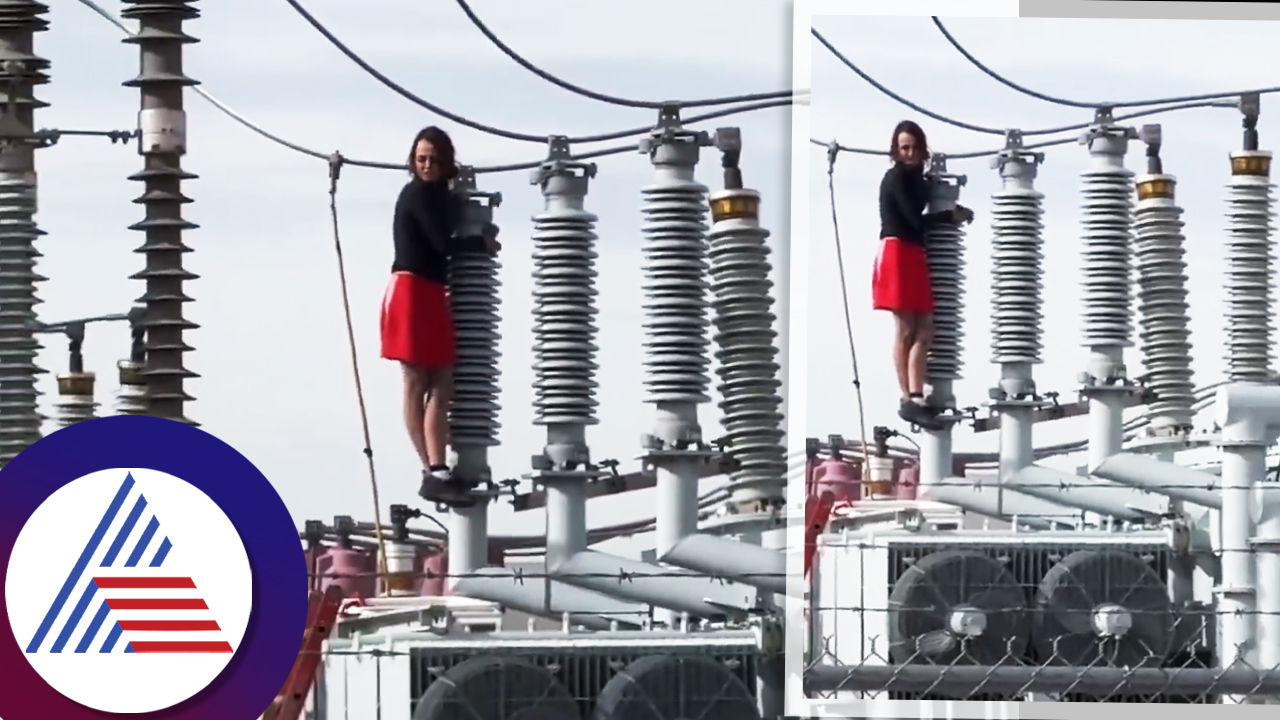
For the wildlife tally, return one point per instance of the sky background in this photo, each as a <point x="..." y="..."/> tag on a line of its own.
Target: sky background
<point x="272" y="352"/>
<point x="1083" y="60"/>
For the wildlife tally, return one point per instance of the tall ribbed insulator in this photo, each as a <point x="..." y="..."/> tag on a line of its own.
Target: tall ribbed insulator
<point x="473" y="296"/>
<point x="1250" y="268"/>
<point x="20" y="71"/>
<point x="946" y="268"/>
<point x="1017" y="314"/>
<point x="564" y="307"/>
<point x="748" y="368"/>
<point x="162" y="142"/>
<point x="1107" y="232"/>
<point x="131" y="396"/>
<point x="75" y="402"/>
<point x="677" y="348"/>
<point x="1164" y="323"/>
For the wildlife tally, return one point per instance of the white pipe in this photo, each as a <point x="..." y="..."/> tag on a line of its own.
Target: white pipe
<point x="1266" y="547"/>
<point x="1248" y="416"/>
<point x="1106" y="406"/>
<point x="935" y="445"/>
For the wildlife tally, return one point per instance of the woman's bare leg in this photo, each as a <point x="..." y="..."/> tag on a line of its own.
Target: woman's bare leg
<point x="917" y="365"/>
<point x="436" y="423"/>
<point x="417" y="383"/>
<point x="903" y="340"/>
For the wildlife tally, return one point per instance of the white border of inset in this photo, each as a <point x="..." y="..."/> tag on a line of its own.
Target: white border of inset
<point x="797" y="705"/>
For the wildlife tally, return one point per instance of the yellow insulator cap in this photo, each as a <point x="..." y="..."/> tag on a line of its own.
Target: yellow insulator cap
<point x="1257" y="163"/>
<point x="731" y="204"/>
<point x="1156" y="186"/>
<point x="76" y="384"/>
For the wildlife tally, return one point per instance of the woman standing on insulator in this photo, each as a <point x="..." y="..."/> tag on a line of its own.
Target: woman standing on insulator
<point x="417" y="323"/>
<point x="901" y="283"/>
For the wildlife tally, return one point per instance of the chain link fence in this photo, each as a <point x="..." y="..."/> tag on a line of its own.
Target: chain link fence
<point x="1049" y="617"/>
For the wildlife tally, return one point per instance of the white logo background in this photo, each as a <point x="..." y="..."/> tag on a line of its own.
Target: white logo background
<point x="206" y="548"/>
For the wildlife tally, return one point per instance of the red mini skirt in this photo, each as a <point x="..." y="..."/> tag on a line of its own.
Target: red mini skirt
<point x="900" y="281"/>
<point x="417" y="323"/>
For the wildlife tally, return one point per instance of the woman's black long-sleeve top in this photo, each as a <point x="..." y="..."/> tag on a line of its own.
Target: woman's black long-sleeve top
<point x="904" y="195"/>
<point x="424" y="230"/>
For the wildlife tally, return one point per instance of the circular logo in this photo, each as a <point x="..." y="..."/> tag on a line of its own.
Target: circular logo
<point x="151" y="570"/>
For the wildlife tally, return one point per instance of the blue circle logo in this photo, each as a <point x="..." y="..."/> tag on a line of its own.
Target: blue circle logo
<point x="150" y="570"/>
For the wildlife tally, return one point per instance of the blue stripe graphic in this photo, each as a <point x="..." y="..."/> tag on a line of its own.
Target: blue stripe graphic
<point x="112" y="637"/>
<point x="162" y="553"/>
<point x="76" y="614"/>
<point x="94" y="627"/>
<point x="81" y="564"/>
<point x="125" y="530"/>
<point x="143" y="541"/>
<point x="129" y="649"/>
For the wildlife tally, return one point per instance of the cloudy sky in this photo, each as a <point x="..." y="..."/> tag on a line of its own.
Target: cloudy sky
<point x="1085" y="60"/>
<point x="272" y="350"/>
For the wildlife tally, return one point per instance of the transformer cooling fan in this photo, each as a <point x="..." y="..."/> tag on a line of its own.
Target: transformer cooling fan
<point x="1105" y="607"/>
<point x="676" y="687"/>
<point x="957" y="606"/>
<point x="496" y="688"/>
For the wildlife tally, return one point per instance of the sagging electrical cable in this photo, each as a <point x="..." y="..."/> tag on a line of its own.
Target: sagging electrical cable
<point x="336" y="162"/>
<point x="498" y="132"/>
<point x="1042" y="143"/>
<point x="303" y="150"/>
<point x="1089" y="105"/>
<point x="832" y="154"/>
<point x="994" y="131"/>
<point x="611" y="99"/>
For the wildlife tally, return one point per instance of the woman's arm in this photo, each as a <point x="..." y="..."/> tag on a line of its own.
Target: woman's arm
<point x="415" y="209"/>
<point x="911" y="196"/>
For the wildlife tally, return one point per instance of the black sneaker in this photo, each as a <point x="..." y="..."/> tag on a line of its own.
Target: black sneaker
<point x="439" y="487"/>
<point x="920" y="416"/>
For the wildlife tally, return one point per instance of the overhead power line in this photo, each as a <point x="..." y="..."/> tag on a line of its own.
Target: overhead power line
<point x="611" y="99"/>
<point x="1090" y="105"/>
<point x="498" y="132"/>
<point x="326" y="157"/>
<point x="1035" y="145"/>
<point x="997" y="131"/>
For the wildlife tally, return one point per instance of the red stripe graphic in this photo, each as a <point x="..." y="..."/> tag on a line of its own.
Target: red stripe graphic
<point x="169" y="625"/>
<point x="181" y="647"/>
<point x="156" y="604"/>
<point x="147" y="583"/>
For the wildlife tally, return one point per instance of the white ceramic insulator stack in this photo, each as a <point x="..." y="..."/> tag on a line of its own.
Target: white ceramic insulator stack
<point x="1107" y="232"/>
<point x="946" y="268"/>
<point x="1250" y="278"/>
<point x="1164" y="323"/>
<point x="473" y="297"/>
<point x="748" y="368"/>
<point x="564" y="330"/>
<point x="72" y="409"/>
<point x="1017" y="257"/>
<point x="677" y="349"/>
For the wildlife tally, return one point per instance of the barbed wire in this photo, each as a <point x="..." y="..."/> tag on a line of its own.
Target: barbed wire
<point x="519" y="575"/>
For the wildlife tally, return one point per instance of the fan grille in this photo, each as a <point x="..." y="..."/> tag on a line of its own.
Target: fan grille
<point x="583" y="670"/>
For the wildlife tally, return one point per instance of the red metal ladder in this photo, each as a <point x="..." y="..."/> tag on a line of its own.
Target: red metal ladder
<point x="817" y="512"/>
<point x="322" y="614"/>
